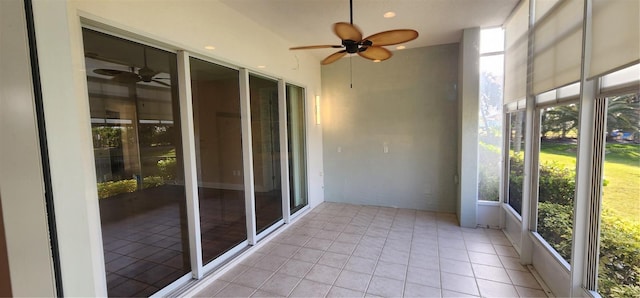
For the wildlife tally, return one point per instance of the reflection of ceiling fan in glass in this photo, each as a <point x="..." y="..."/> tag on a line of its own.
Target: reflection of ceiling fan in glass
<point x="369" y="47"/>
<point x="144" y="74"/>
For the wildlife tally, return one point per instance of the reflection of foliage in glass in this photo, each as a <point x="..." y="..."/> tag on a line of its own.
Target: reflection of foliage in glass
<point x="107" y="136"/>
<point x="152" y="135"/>
<point x="489" y="172"/>
<point x="490" y="137"/>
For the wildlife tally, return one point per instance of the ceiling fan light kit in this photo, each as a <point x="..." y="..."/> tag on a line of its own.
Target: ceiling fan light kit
<point x="370" y="47"/>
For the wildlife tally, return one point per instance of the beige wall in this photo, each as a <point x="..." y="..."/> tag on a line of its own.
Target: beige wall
<point x="391" y="139"/>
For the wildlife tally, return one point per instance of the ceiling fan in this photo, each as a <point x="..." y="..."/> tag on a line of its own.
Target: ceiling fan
<point x="369" y="47"/>
<point x="144" y="74"/>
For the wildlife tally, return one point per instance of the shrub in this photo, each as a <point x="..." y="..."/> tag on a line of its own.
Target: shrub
<point x="555" y="225"/>
<point x="488" y="172"/>
<point x="112" y="188"/>
<point x="619" y="270"/>
<point x="152" y="181"/>
<point x="167" y="168"/>
<point x="557" y="184"/>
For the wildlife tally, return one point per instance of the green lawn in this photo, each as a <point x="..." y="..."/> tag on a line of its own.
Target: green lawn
<point x="621" y="171"/>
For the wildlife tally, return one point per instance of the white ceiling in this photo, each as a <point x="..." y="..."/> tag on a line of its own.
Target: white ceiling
<point x="309" y="22"/>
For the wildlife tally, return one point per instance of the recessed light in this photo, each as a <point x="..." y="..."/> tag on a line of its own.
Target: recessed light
<point x="210" y="47"/>
<point x="389" y="14"/>
<point x="377" y="60"/>
<point x="262" y="66"/>
<point x="400" y="47"/>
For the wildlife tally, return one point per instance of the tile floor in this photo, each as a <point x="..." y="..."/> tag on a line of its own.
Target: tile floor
<point x="341" y="250"/>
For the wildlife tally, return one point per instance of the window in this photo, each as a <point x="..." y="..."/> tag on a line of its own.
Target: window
<point x="138" y="157"/>
<point x="490" y="118"/>
<point x="515" y="185"/>
<point x="216" y="115"/>
<point x="556" y="178"/>
<point x="265" y="127"/>
<point x="619" y="226"/>
<point x="297" y="142"/>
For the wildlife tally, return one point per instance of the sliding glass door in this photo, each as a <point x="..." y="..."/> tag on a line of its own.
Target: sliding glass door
<point x="218" y="135"/>
<point x="137" y="146"/>
<point x="296" y="137"/>
<point x="146" y="211"/>
<point x="265" y="126"/>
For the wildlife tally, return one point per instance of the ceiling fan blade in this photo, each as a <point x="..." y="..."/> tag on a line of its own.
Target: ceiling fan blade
<point x="161" y="83"/>
<point x="127" y="77"/>
<point x="316" y="47"/>
<point x="333" y="57"/>
<point x="108" y="72"/>
<point x="375" y="53"/>
<point x="347" y="31"/>
<point x="392" y="37"/>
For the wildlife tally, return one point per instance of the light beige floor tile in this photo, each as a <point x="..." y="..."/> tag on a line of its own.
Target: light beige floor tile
<point x="339" y="292"/>
<point x="280" y="284"/>
<point x="253" y="277"/>
<point x="525" y="279"/>
<point x="323" y="274"/>
<point x="253" y="258"/>
<point x="530" y="293"/>
<point x="496" y="289"/>
<point x="454" y="254"/>
<point x="308" y="255"/>
<point x="391" y="255"/>
<point x="263" y="294"/>
<point x="485" y="259"/>
<point x="342" y="248"/>
<point x="459" y="283"/>
<point x="368" y="252"/>
<point x="423" y="277"/>
<point x="491" y="273"/>
<point x="391" y="270"/>
<point x="356" y="229"/>
<point x="504" y="250"/>
<point x="486" y="248"/>
<point x="385" y="287"/>
<point x="284" y="250"/>
<point x="500" y="240"/>
<point x="333" y="259"/>
<point x="235" y="290"/>
<point x="425" y="262"/>
<point x="371" y="241"/>
<point x="318" y="243"/>
<point x="444" y="242"/>
<point x="417" y="290"/>
<point x="212" y="289"/>
<point x="457" y="267"/>
<point x="353" y="280"/>
<point x="329" y="235"/>
<point x="271" y="263"/>
<point x="512" y="263"/>
<point x="362" y="265"/>
<point x="349" y="238"/>
<point x="234" y="272"/>
<point x="454" y="294"/>
<point x="295" y="268"/>
<point x="310" y="289"/>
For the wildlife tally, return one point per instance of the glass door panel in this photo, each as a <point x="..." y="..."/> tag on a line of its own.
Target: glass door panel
<point x="297" y="147"/>
<point x="619" y="224"/>
<point x="516" y="159"/>
<point x="216" y="114"/>
<point x="556" y="178"/>
<point x="265" y="128"/>
<point x="140" y="179"/>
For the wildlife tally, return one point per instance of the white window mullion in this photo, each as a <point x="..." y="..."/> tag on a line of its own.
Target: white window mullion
<point x="247" y="156"/>
<point x="190" y="163"/>
<point x="284" y="150"/>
